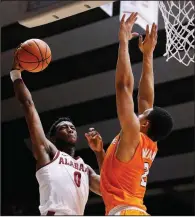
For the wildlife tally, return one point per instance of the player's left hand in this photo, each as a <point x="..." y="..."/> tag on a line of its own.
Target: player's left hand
<point x="94" y="140"/>
<point x="148" y="45"/>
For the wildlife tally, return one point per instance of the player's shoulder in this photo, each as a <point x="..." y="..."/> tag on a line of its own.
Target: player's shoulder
<point x="79" y="160"/>
<point x="146" y="141"/>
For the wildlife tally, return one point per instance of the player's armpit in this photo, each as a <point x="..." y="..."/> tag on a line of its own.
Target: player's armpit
<point x="94" y="181"/>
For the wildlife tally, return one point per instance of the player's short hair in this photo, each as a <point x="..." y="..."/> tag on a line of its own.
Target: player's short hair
<point x="52" y="129"/>
<point x="161" y="124"/>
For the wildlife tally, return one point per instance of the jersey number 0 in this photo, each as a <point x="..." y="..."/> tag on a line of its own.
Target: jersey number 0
<point x="77" y="178"/>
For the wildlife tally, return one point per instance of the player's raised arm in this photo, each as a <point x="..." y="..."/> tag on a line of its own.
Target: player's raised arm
<point x="146" y="84"/>
<point x="41" y="146"/>
<point x="124" y="84"/>
<point x="96" y="144"/>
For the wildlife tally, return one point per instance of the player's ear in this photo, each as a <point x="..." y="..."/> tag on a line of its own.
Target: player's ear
<point x="146" y="124"/>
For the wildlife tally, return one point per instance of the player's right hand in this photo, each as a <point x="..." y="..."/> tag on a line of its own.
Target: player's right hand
<point x="94" y="140"/>
<point x="15" y="64"/>
<point x="125" y="33"/>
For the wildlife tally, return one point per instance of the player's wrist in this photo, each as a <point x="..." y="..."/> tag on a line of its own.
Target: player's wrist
<point x="15" y="74"/>
<point x="100" y="152"/>
<point x="148" y="54"/>
<point x="124" y="41"/>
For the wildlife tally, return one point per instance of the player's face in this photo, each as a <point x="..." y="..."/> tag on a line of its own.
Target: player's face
<point x="66" y="131"/>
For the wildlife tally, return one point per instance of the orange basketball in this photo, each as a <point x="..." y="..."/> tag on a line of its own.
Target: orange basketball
<point x="34" y="55"/>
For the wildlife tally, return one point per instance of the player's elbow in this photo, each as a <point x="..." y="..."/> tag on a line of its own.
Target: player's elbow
<point x="94" y="184"/>
<point x="123" y="86"/>
<point x="99" y="192"/>
<point x="96" y="190"/>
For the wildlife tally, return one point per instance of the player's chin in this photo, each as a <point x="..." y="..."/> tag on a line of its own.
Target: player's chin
<point x="72" y="140"/>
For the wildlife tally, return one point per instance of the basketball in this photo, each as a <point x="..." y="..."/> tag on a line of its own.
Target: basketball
<point x="34" y="55"/>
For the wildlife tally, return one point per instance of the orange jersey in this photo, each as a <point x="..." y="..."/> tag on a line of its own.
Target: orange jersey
<point x="125" y="183"/>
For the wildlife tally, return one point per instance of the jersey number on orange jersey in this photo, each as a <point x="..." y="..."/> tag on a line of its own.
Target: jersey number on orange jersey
<point x="144" y="176"/>
<point x="77" y="178"/>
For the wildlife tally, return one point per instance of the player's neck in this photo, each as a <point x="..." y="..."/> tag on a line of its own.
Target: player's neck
<point x="66" y="147"/>
<point x="70" y="151"/>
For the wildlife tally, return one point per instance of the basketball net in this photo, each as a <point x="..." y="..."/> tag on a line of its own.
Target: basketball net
<point x="179" y="25"/>
<point x="179" y="22"/>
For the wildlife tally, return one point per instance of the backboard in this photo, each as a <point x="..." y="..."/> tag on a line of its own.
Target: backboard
<point x="147" y="11"/>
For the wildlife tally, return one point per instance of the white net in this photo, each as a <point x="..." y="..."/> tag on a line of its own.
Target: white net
<point x="179" y="25"/>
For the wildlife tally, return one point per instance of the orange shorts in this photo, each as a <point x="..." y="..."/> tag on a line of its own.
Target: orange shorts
<point x="133" y="212"/>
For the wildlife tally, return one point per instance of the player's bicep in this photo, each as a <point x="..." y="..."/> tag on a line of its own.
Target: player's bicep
<point x="94" y="181"/>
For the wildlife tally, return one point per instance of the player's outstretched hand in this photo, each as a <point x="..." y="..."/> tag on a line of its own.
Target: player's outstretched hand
<point x="15" y="64"/>
<point x="94" y="140"/>
<point x="125" y="31"/>
<point x="148" y="45"/>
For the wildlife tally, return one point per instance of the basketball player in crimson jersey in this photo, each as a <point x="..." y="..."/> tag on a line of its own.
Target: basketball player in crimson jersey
<point x="125" y="166"/>
<point x="64" y="181"/>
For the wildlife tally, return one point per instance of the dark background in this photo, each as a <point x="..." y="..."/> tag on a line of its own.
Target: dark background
<point x="170" y="187"/>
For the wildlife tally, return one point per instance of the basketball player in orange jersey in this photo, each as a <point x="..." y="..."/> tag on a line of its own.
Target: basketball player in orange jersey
<point x="64" y="181"/>
<point x="125" y="166"/>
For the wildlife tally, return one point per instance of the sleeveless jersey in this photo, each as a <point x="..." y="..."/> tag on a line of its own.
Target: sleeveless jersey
<point x="63" y="185"/>
<point x="125" y="183"/>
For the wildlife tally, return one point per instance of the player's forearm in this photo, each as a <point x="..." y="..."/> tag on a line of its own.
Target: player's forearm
<point x="21" y="91"/>
<point x="146" y="84"/>
<point x="100" y="158"/>
<point x="95" y="184"/>
<point x="124" y="76"/>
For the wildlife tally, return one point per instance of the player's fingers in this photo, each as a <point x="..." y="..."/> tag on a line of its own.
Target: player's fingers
<point x="99" y="137"/>
<point x="130" y="18"/>
<point x="156" y="37"/>
<point x="153" y="30"/>
<point x="156" y="31"/>
<point x="87" y="135"/>
<point x="15" y="52"/>
<point x="17" y="48"/>
<point x="91" y="129"/>
<point x="94" y="136"/>
<point x="134" y="20"/>
<point x="134" y="15"/>
<point x="123" y="18"/>
<point x="94" y="133"/>
<point x="140" y="40"/>
<point x="147" y="31"/>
